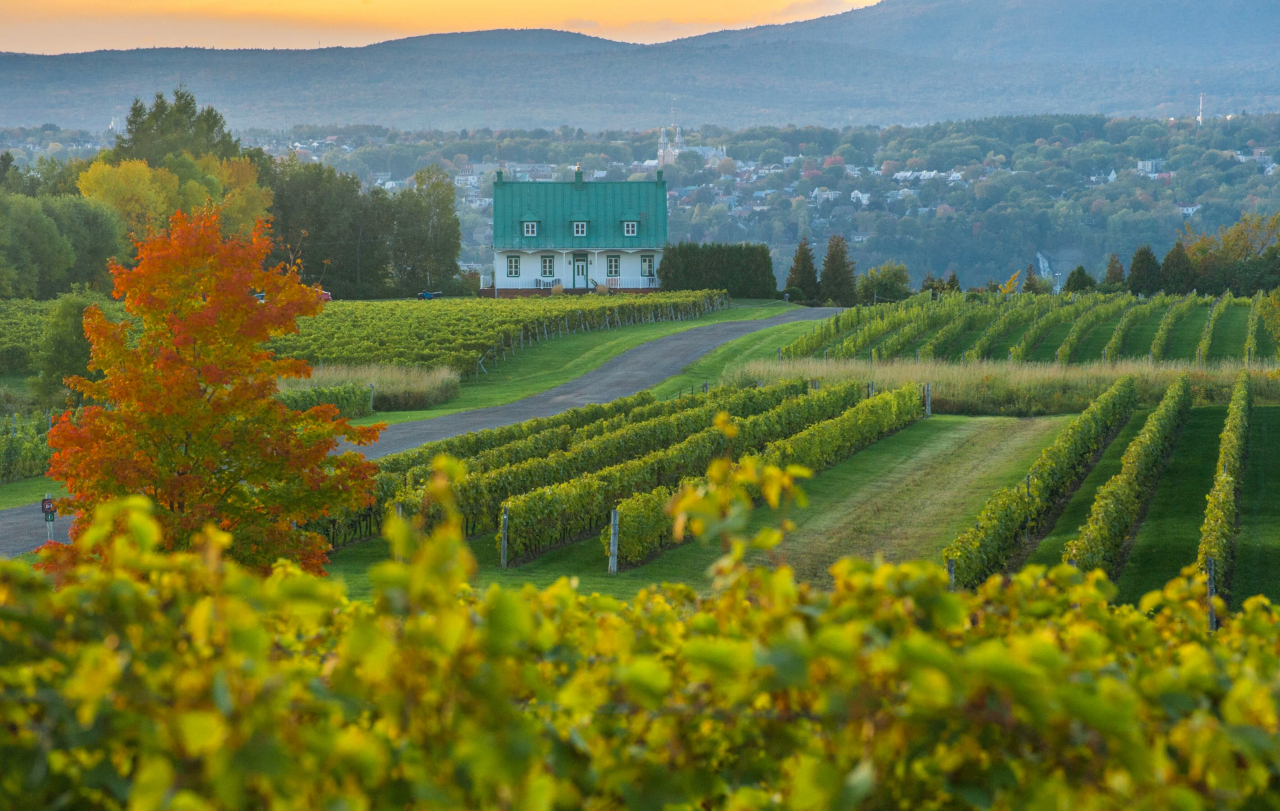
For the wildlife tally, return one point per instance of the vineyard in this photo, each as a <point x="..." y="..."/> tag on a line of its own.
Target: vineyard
<point x="1063" y="329"/>
<point x="472" y="335"/>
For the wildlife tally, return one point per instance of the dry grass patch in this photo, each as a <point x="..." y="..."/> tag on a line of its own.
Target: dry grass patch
<point x="395" y="388"/>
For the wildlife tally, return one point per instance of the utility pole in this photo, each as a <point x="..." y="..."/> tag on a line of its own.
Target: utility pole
<point x="1200" y="117"/>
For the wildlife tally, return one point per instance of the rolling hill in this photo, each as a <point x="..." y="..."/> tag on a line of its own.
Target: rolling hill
<point x="901" y="61"/>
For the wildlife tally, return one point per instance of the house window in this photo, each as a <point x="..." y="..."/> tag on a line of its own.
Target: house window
<point x="579" y="229"/>
<point x="630" y="228"/>
<point x="513" y="266"/>
<point x="531" y="229"/>
<point x="614" y="265"/>
<point x="646" y="266"/>
<point x="548" y="266"/>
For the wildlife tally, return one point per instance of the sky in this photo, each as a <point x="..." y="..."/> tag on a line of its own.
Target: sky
<point x="66" y="26"/>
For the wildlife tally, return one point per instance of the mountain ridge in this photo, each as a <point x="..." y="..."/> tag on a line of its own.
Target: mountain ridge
<point x="899" y="61"/>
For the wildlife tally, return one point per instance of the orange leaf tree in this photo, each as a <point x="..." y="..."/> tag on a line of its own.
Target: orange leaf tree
<point x="187" y="413"/>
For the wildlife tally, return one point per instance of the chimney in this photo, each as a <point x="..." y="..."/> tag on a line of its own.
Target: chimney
<point x="577" y="176"/>
<point x="497" y="178"/>
<point x="659" y="176"/>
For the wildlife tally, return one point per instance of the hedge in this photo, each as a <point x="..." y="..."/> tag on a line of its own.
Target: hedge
<point x="1111" y="352"/>
<point x="543" y="518"/>
<point x="1059" y="314"/>
<point x="987" y="548"/>
<point x="1176" y="313"/>
<point x="744" y="270"/>
<point x="352" y="399"/>
<point x="1118" y="502"/>
<point x="1090" y="320"/>
<point x="978" y="315"/>
<point x="1216" y="309"/>
<point x="644" y="527"/>
<point x="1024" y="309"/>
<point x="1219" y="528"/>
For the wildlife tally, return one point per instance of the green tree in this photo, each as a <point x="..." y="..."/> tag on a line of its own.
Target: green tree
<point x="34" y="257"/>
<point x="172" y="128"/>
<point x="63" y="350"/>
<point x="1144" y="272"/>
<point x="837" y="274"/>
<point x="428" y="237"/>
<point x="888" y="282"/>
<point x="803" y="273"/>
<point x="1115" y="273"/>
<point x="1177" y="275"/>
<point x="1034" y="283"/>
<point x="96" y="234"/>
<point x="1079" y="280"/>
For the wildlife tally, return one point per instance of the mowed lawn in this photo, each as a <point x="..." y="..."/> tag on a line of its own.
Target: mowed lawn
<point x="1257" y="563"/>
<point x="29" y="491"/>
<point x="1095" y="340"/>
<point x="548" y="364"/>
<point x="1229" y="334"/>
<point x="1137" y="342"/>
<point x="1169" y="537"/>
<point x="1076" y="512"/>
<point x="905" y="497"/>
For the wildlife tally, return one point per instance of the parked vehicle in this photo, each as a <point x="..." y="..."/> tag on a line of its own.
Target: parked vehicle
<point x="428" y="296"/>
<point x="325" y="295"/>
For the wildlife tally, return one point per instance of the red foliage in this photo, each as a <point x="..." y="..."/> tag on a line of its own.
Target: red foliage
<point x="187" y="414"/>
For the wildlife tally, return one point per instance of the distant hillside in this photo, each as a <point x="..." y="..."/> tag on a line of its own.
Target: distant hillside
<point x="901" y="61"/>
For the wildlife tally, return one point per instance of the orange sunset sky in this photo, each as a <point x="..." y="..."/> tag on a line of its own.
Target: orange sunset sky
<point x="61" y="26"/>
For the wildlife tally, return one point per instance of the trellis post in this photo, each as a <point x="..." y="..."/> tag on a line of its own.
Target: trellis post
<point x="505" y="522"/>
<point x="928" y="399"/>
<point x="613" y="542"/>
<point x="951" y="574"/>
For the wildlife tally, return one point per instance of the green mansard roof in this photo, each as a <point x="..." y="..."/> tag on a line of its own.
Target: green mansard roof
<point x="604" y="206"/>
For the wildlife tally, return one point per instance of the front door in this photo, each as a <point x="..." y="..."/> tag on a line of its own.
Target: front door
<point x="579" y="270"/>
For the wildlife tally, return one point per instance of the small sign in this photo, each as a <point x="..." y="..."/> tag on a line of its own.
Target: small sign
<point x="48" y="518"/>
<point x="46" y="506"/>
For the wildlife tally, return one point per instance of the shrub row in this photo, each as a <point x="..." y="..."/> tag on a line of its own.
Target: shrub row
<point x="1132" y="316"/>
<point x="987" y="548"/>
<point x="24" y="448"/>
<point x="1251" y="331"/>
<point x="930" y="317"/>
<point x="1216" y="309"/>
<point x="884" y="321"/>
<point x="1088" y="321"/>
<point x="480" y="496"/>
<point x="1051" y="318"/>
<point x="850" y="320"/>
<point x="745" y="270"/>
<point x="1118" y="502"/>
<point x="980" y="315"/>
<point x="467" y="445"/>
<point x="182" y="681"/>
<point x="644" y="527"/>
<point x="1020" y="311"/>
<point x="352" y="399"/>
<point x="1220" y="516"/>
<point x="1176" y="313"/>
<point x="543" y="518"/>
<point x="659" y="409"/>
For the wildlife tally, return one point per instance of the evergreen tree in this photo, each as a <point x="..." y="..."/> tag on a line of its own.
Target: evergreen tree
<point x="1144" y="272"/>
<point x="1034" y="283"/>
<point x="952" y="285"/>
<point x="803" y="273"/>
<point x="837" y="274"/>
<point x="1079" y="281"/>
<point x="1177" y="276"/>
<point x="1115" y="272"/>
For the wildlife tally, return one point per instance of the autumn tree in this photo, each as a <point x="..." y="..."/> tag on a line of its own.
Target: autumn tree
<point x="1144" y="272"/>
<point x="188" y="416"/>
<point x="837" y="274"/>
<point x="803" y="273"/>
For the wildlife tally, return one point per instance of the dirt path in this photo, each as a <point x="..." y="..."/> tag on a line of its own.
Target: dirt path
<point x="22" y="528"/>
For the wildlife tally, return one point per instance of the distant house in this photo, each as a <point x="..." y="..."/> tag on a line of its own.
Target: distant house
<point x="1189" y="209"/>
<point x="1151" y="167"/>
<point x="578" y="234"/>
<point x="860" y="197"/>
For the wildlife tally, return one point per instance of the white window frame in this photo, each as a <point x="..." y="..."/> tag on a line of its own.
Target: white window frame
<point x="530" y="229"/>
<point x="579" y="228"/>
<point x="513" y="267"/>
<point x="548" y="266"/>
<point x="630" y="228"/>
<point x="646" y="265"/>
<point x="613" y="265"/>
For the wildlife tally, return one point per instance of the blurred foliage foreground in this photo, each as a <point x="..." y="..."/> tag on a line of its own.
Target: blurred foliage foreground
<point x="153" y="680"/>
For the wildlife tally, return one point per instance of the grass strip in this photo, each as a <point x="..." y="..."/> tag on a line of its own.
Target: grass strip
<point x="1049" y="551"/>
<point x="1257" y="558"/>
<point x="29" y="491"/>
<point x="1228" y="339"/>
<point x="1138" y="340"/>
<point x="1169" y="536"/>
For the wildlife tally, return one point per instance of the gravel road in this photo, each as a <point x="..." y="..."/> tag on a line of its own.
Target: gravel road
<point x="22" y="528"/>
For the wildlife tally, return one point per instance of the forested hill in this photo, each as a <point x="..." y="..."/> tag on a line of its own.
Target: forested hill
<point x="908" y="61"/>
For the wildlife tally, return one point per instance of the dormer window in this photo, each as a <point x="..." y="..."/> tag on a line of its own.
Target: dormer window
<point x="630" y="228"/>
<point x="579" y="229"/>
<point x="531" y="229"/>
